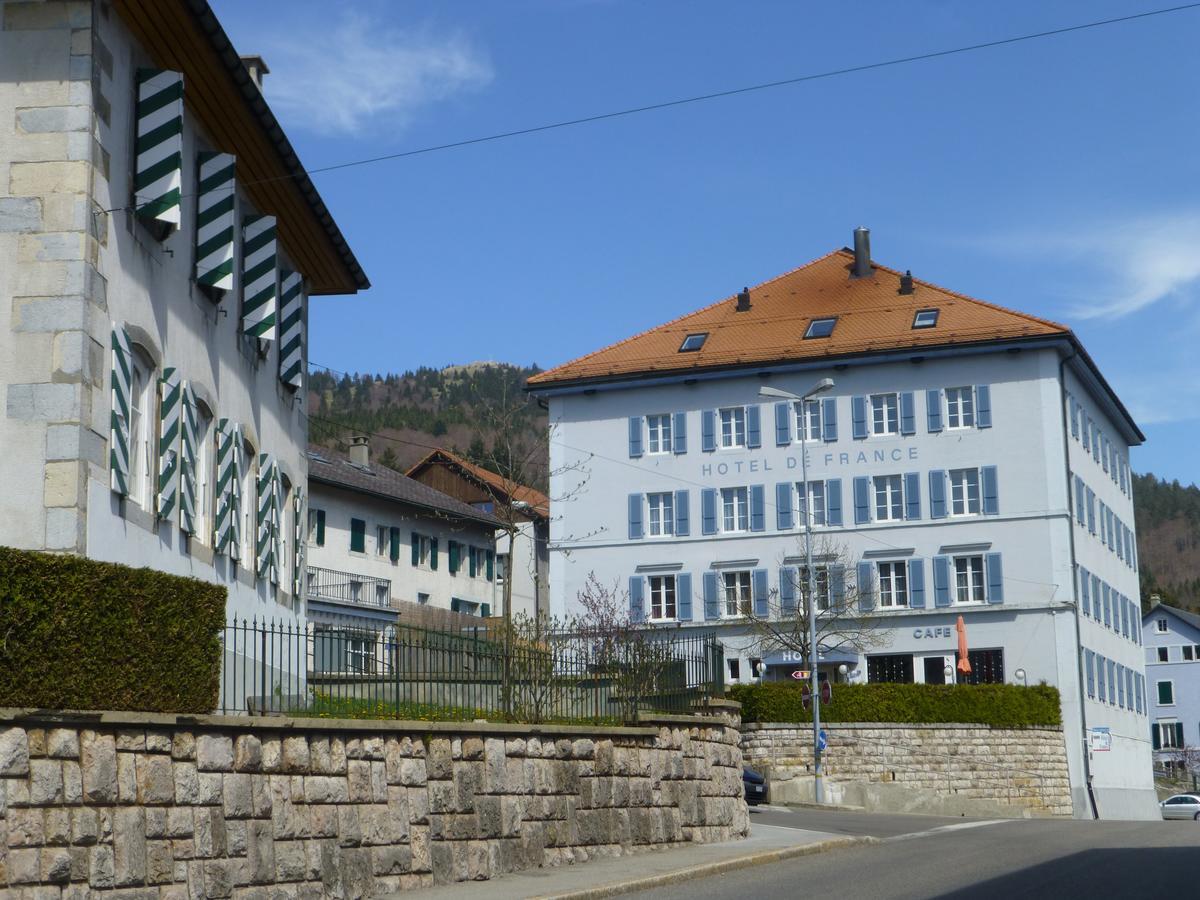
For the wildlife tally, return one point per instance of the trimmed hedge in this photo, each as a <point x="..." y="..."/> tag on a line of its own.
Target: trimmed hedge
<point x="1001" y="705"/>
<point x="81" y="634"/>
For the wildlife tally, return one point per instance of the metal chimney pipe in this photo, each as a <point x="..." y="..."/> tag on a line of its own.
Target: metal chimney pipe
<point x="862" y="252"/>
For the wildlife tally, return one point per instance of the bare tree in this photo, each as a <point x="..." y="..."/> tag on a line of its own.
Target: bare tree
<point x="783" y="622"/>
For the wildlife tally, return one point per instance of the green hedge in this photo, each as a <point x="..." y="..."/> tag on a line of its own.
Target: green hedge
<point x="80" y="634"/>
<point x="1004" y="705"/>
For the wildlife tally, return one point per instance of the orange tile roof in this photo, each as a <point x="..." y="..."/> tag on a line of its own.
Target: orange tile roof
<point x="872" y="316"/>
<point x="538" y="502"/>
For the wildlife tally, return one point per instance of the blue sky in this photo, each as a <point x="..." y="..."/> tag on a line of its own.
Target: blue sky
<point x="1057" y="176"/>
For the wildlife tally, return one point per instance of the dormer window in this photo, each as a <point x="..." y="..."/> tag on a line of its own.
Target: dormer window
<point x="693" y="342"/>
<point x="925" y="318"/>
<point x="820" y="328"/>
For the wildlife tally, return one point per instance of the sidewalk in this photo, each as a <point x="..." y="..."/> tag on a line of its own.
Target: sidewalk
<point x="643" y="871"/>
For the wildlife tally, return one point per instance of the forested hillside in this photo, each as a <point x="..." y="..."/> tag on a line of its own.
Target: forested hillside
<point x="1168" y="530"/>
<point x="479" y="410"/>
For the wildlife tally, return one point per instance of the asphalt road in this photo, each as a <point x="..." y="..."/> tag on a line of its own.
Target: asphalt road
<point x="880" y="825"/>
<point x="974" y="860"/>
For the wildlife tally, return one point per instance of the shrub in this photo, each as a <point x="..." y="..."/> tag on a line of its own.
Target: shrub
<point x="81" y="634"/>
<point x="1001" y="705"/>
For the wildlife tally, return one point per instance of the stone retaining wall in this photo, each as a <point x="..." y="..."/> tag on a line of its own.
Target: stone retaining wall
<point x="215" y="806"/>
<point x="930" y="768"/>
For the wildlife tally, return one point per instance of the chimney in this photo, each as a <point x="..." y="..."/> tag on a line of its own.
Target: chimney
<point x="360" y="450"/>
<point x="906" y="285"/>
<point x="1155" y="600"/>
<point x="862" y="252"/>
<point x="743" y="300"/>
<point x="257" y="67"/>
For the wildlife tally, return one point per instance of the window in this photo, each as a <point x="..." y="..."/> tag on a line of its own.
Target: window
<point x="964" y="492"/>
<point x="820" y="328"/>
<point x="968" y="579"/>
<point x="808" y="420"/>
<point x="735" y="669"/>
<point x="815" y="503"/>
<point x="205" y="453"/>
<point x="316" y="526"/>
<point x="987" y="667"/>
<point x="733" y="427"/>
<point x="735" y="508"/>
<point x="381" y="595"/>
<point x="1160" y="625"/>
<point x="422" y="598"/>
<point x="1168" y="735"/>
<point x="925" y="318"/>
<point x="820" y="586"/>
<point x="424" y="550"/>
<point x="662" y="514"/>
<point x="501" y="567"/>
<point x="659" y="428"/>
<point x="141" y="420"/>
<point x="1162" y="654"/>
<point x="892" y="668"/>
<point x="960" y="407"/>
<point x="381" y="540"/>
<point x="893" y="584"/>
<point x="358" y="536"/>
<point x="693" y="342"/>
<point x="889" y="498"/>
<point x="1189" y="653"/>
<point x="360" y="654"/>
<point x="737" y="594"/>
<point x="662" y="598"/>
<point x="1166" y="693"/>
<point x="885" y="414"/>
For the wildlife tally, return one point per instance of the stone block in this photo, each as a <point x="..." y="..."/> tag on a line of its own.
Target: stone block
<point x="260" y="852"/>
<point x="31" y="179"/>
<point x="247" y="754"/>
<point x="210" y="788"/>
<point x="439" y="764"/>
<point x="14" y="752"/>
<point x="127" y="777"/>
<point x="260" y="796"/>
<point x="214" y="753"/>
<point x="20" y="214"/>
<point x="64" y="528"/>
<point x="129" y="847"/>
<point x="85" y="828"/>
<point x="218" y="878"/>
<point x="160" y="865"/>
<point x="291" y="862"/>
<point x="155" y="779"/>
<point x="379" y="784"/>
<point x="349" y="827"/>
<point x="394" y="860"/>
<point x="58" y="826"/>
<point x="208" y="833"/>
<point x="322" y="821"/>
<point x="62" y="743"/>
<point x="295" y="754"/>
<point x="235" y="837"/>
<point x="158" y="742"/>
<point x="45" y="782"/>
<point x="358" y="779"/>
<point x="411" y="772"/>
<point x="183" y="745"/>
<point x="237" y="795"/>
<point x="54" y="119"/>
<point x="26" y="828"/>
<point x="180" y="822"/>
<point x="187" y="784"/>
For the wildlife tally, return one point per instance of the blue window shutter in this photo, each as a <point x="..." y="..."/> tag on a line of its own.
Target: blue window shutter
<point x="916" y="583"/>
<point x="829" y="419"/>
<point x="1091" y="677"/>
<point x="708" y="510"/>
<point x="1080" y="513"/>
<point x="683" y="595"/>
<point x="787" y="590"/>
<point x="1085" y="600"/>
<point x="991" y="496"/>
<point x="1083" y="431"/>
<point x="983" y="406"/>
<point x="712" y="608"/>
<point x="1095" y="440"/>
<point x="858" y="414"/>
<point x="837" y="586"/>
<point x="682" y="523"/>
<point x="941" y="581"/>
<point x="635" y="516"/>
<point x="908" y="413"/>
<point x="761" y="606"/>
<point x="708" y="430"/>
<point x="753" y="426"/>
<point x="995" y="578"/>
<point x="866" y="586"/>
<point x="783" y="424"/>
<point x="933" y="409"/>
<point x="637" y="603"/>
<point x="635" y="436"/>
<point x="1107" y="594"/>
<point x="862" y="500"/>
<point x="1074" y="416"/>
<point x="937" y="494"/>
<point x="679" y="433"/>
<point x="912" y="495"/>
<point x="1096" y="611"/>
<point x="758" y="516"/>
<point x="833" y="501"/>
<point x="783" y="505"/>
<point x="1091" y="510"/>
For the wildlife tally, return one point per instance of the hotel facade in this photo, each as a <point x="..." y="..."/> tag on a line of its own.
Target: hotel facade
<point x="968" y="461"/>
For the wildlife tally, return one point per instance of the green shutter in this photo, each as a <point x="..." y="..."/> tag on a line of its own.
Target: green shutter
<point x="216" y="220"/>
<point x="259" y="292"/>
<point x="394" y="538"/>
<point x="471" y="555"/>
<point x="416" y="549"/>
<point x="320" y="528"/>
<point x="158" y="168"/>
<point x="433" y="553"/>
<point x="485" y="609"/>
<point x="277" y="536"/>
<point x="454" y="556"/>
<point x="169" y="390"/>
<point x="291" y="330"/>
<point x="118" y="429"/>
<point x="236" y="500"/>
<point x="263" y="545"/>
<point x="491" y="565"/>
<point x="358" y="535"/>
<point x="188" y="476"/>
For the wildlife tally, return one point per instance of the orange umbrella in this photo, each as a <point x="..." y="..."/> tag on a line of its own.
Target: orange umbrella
<point x="964" y="663"/>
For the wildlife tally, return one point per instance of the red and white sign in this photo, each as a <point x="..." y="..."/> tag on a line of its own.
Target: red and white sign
<point x="801" y="674"/>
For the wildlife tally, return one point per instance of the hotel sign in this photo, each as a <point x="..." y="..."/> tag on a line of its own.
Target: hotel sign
<point x="792" y="461"/>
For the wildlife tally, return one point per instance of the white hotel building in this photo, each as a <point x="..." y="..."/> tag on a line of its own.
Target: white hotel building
<point x="970" y="460"/>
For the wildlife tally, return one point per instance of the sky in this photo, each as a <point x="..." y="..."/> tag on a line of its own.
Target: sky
<point x="1057" y="176"/>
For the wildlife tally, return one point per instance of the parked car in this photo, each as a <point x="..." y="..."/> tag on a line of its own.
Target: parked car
<point x="1181" y="806"/>
<point x="754" y="786"/>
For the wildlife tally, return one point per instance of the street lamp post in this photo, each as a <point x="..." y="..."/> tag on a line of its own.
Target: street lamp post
<point x="819" y="388"/>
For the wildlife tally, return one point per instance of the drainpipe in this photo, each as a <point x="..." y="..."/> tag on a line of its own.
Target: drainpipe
<point x="1066" y="438"/>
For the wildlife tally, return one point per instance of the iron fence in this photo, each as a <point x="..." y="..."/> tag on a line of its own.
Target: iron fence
<point x="405" y="672"/>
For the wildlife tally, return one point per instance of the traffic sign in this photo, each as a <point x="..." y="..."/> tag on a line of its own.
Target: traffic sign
<point x="822" y="740"/>
<point x="806" y="696"/>
<point x="801" y="674"/>
<point x="826" y="692"/>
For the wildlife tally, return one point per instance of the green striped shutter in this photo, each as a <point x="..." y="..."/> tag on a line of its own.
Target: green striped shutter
<point x="158" y="169"/>
<point x="278" y="505"/>
<point x="258" y="277"/>
<point x="298" y="548"/>
<point x="170" y="390"/>
<point x="118" y="427"/>
<point x="264" y="518"/>
<point x="216" y="220"/>
<point x="235" y="491"/>
<point x="291" y="330"/>
<point x="188" y="476"/>
<point x="223" y="488"/>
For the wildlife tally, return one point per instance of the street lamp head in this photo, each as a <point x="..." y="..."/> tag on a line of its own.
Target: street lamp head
<point x="820" y="387"/>
<point x="773" y="393"/>
<point x="776" y="393"/>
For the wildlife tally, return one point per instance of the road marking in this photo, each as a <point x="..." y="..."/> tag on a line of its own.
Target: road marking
<point x="943" y="829"/>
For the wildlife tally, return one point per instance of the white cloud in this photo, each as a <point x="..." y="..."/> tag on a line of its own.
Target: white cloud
<point x="359" y="76"/>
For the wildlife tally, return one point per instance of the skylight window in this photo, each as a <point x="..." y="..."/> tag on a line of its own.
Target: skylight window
<point x="693" y="342"/>
<point x="820" y="328"/>
<point x="925" y="318"/>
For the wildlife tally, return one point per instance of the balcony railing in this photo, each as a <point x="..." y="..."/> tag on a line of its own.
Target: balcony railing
<point x="348" y="587"/>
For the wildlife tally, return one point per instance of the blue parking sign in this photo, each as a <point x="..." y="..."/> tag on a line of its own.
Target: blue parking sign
<point x="822" y="740"/>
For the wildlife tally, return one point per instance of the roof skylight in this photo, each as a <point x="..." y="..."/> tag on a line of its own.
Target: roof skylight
<point x="925" y="318"/>
<point x="693" y="342"/>
<point x="820" y="328"/>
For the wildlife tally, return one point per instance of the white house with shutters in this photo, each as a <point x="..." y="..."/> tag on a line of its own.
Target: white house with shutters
<point x="159" y="243"/>
<point x="969" y="460"/>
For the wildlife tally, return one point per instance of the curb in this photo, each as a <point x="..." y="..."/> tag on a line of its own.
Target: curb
<point x="613" y="889"/>
<point x="838" y="807"/>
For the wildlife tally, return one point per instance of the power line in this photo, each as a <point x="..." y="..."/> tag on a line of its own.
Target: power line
<point x="716" y="95"/>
